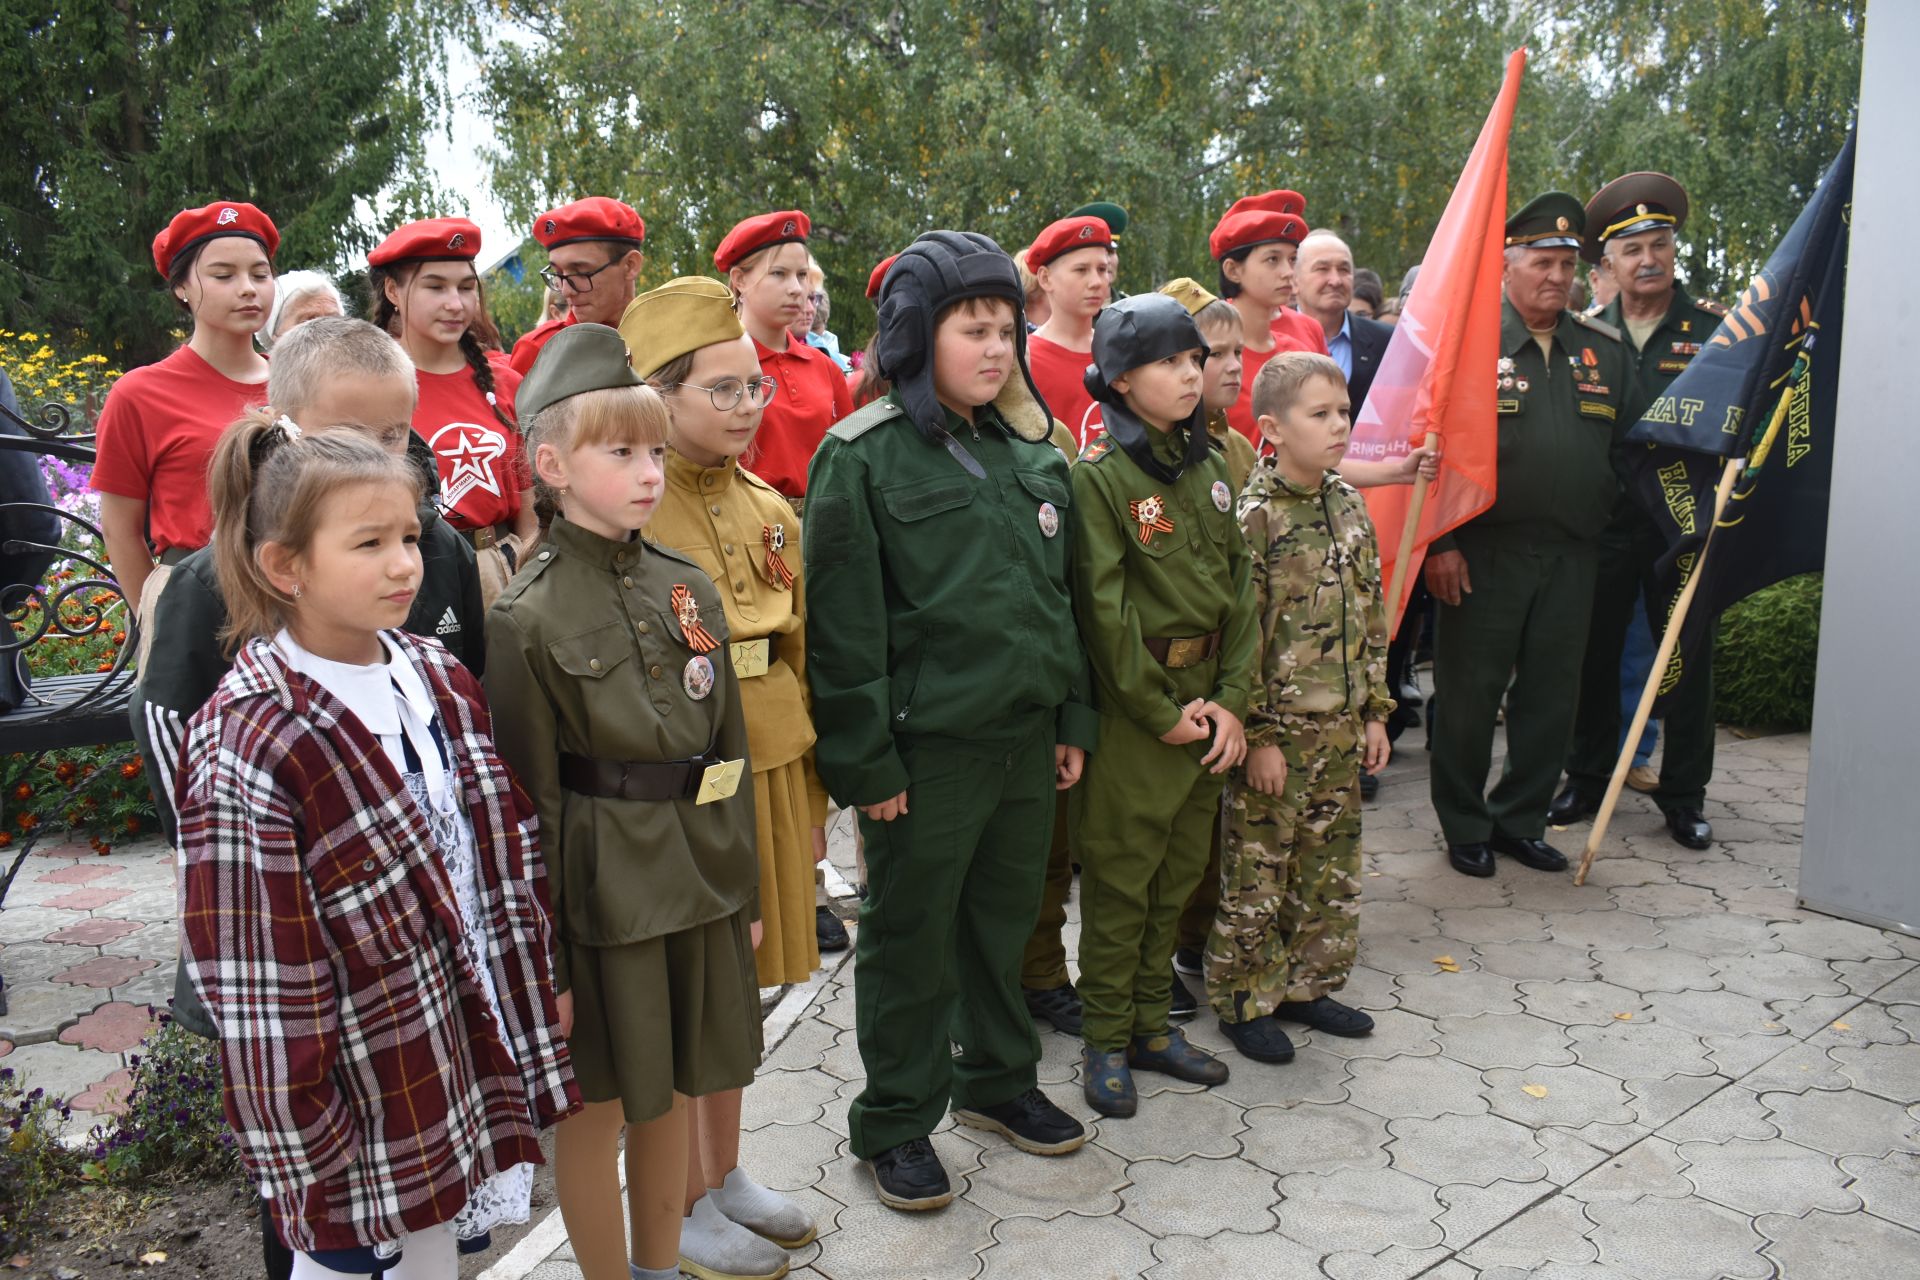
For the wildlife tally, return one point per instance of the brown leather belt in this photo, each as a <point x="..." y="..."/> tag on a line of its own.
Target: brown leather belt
<point x="481" y="538"/>
<point x="1189" y="651"/>
<point x="634" y="779"/>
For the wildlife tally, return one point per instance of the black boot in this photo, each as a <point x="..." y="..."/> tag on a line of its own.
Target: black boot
<point x="1030" y="1122"/>
<point x="911" y="1177"/>
<point x="1575" y="803"/>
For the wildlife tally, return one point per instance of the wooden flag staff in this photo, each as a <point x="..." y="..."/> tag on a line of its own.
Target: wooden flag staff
<point x="1407" y="530"/>
<point x="1668" y="641"/>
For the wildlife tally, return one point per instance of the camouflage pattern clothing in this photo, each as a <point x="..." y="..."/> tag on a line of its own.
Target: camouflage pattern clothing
<point x="1288" y="922"/>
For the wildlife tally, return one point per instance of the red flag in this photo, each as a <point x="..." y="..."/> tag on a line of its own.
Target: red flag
<point x="1438" y="373"/>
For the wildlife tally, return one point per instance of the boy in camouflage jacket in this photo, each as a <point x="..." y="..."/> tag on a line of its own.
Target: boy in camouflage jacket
<point x="1286" y="931"/>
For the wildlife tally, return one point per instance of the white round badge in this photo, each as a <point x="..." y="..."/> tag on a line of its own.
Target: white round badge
<point x="1049" y="519"/>
<point x="697" y="679"/>
<point x="1222" y="496"/>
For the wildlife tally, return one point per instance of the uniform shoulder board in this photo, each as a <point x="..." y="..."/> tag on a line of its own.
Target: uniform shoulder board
<point x="1600" y="327"/>
<point x="1709" y="306"/>
<point x="1096" y="449"/>
<point x="672" y="554"/>
<point x="865" y="419"/>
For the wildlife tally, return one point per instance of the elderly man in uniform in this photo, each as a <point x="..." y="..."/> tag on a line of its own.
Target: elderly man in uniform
<point x="1635" y="220"/>
<point x="1515" y="583"/>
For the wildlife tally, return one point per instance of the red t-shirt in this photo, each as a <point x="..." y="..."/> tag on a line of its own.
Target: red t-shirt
<point x="811" y="396"/>
<point x="1292" y="331"/>
<point x="1060" y="373"/>
<point x="155" y="439"/>
<point x="527" y="350"/>
<point x="482" y="465"/>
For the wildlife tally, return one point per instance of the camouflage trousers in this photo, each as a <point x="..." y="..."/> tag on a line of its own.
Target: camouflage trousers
<point x="1289" y="919"/>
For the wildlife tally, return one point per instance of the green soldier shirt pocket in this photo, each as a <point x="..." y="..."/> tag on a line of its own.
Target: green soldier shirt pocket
<point x="713" y="617"/>
<point x="1045" y="488"/>
<point x="920" y="500"/>
<point x="593" y="654"/>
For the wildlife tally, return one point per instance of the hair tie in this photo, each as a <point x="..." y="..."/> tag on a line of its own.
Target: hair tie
<point x="288" y="427"/>
<point x="283" y="430"/>
<point x="493" y="400"/>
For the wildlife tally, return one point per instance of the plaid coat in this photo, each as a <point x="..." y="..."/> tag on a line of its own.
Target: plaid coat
<point x="367" y="1080"/>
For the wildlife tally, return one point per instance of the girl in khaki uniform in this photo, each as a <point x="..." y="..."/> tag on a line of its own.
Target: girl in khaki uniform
<point x="617" y="706"/>
<point x="686" y="340"/>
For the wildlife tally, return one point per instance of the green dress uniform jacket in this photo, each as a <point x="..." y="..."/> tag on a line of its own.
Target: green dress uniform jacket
<point x="586" y="656"/>
<point x="1629" y="548"/>
<point x="1531" y="559"/>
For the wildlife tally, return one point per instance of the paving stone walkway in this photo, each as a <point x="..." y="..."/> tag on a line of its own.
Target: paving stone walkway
<point x="1670" y="1073"/>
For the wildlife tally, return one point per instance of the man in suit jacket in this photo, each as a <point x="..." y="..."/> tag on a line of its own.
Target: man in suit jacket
<point x="1323" y="280"/>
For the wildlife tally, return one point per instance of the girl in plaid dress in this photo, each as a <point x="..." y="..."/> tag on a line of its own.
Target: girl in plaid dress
<point x="363" y="907"/>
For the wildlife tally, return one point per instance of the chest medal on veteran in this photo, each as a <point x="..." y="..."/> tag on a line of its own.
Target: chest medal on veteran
<point x="774" y="538"/>
<point x="1049" y="519"/>
<point x="1150" y="514"/>
<point x="697" y="677"/>
<point x="687" y="611"/>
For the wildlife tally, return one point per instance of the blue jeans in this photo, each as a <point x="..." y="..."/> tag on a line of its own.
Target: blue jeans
<point x="1636" y="664"/>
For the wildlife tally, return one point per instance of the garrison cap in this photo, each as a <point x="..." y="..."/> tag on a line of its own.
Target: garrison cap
<point x="595" y="218"/>
<point x="1108" y="212"/>
<point x="748" y="237"/>
<point x="1189" y="293"/>
<point x="221" y="218"/>
<point x="1259" y="219"/>
<point x="1552" y="221"/>
<point x="430" y="240"/>
<point x="1067" y="236"/>
<point x="1630" y="204"/>
<point x="877" y="277"/>
<point x="577" y="359"/>
<point x="682" y="315"/>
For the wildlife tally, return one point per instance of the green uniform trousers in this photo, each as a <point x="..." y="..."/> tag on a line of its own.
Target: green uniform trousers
<point x="1196" y="921"/>
<point x="1142" y="823"/>
<point x="1044" y="967"/>
<point x="1524" y="622"/>
<point x="1288" y="927"/>
<point x="953" y="886"/>
<point x="1628" y="552"/>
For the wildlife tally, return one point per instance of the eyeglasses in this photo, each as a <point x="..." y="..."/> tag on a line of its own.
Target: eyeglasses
<point x="727" y="393"/>
<point x="578" y="281"/>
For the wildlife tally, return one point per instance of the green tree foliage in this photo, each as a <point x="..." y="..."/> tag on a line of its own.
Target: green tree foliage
<point x="123" y="112"/>
<point x="883" y="118"/>
<point x="1765" y="654"/>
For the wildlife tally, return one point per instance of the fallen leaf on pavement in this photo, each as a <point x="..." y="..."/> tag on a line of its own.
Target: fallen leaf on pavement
<point x="1534" y="1090"/>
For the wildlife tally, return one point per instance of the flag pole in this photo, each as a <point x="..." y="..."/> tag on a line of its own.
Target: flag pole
<point x="1669" y="641"/>
<point x="1407" y="530"/>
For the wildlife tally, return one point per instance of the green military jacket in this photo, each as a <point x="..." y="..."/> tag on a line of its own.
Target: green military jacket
<point x="1133" y="581"/>
<point x="1317" y="592"/>
<point x="937" y="602"/>
<point x="1670" y="348"/>
<point x="585" y="655"/>
<point x="1557" y="419"/>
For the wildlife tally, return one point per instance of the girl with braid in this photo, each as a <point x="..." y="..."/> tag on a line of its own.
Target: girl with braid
<point x="427" y="294"/>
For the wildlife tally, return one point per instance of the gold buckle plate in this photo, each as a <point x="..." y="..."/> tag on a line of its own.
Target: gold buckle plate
<point x="1186" y="652"/>
<point x="483" y="539"/>
<point x="750" y="658"/>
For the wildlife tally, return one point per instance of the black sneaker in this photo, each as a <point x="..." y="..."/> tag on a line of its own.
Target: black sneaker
<point x="1183" y="1004"/>
<point x="1326" y="1014"/>
<point x="827" y="929"/>
<point x="910" y="1177"/>
<point x="1260" y="1039"/>
<point x="1058" y="1005"/>
<point x="1189" y="961"/>
<point x="1030" y="1122"/>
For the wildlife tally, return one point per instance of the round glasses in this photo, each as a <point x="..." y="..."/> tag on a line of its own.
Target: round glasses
<point x="578" y="281"/>
<point x="727" y="393"/>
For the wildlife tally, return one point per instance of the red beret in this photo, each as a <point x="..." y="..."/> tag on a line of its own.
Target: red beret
<point x="1067" y="235"/>
<point x="595" y="218"/>
<point x="879" y="275"/>
<point x="221" y="218"/>
<point x="431" y="240"/>
<point x="788" y="226"/>
<point x="1269" y="216"/>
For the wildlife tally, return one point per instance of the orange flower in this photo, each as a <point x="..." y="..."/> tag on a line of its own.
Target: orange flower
<point x="6" y="838"/>
<point x="105" y="666"/>
<point x="28" y="821"/>
<point x="133" y="826"/>
<point x="119" y="637"/>
<point x="65" y="771"/>
<point x="131" y="769"/>
<point x="23" y="792"/>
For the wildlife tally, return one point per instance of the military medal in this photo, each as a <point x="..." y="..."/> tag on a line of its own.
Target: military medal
<point x="1520" y="384"/>
<point x="1222" y="496"/>
<point x="1049" y="519"/>
<point x="686" y="610"/>
<point x="774" y="538"/>
<point x="697" y="677"/>
<point x="1151" y="515"/>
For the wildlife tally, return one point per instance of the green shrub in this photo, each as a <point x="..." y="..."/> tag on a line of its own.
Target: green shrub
<point x="1763" y="661"/>
<point x="173" y="1128"/>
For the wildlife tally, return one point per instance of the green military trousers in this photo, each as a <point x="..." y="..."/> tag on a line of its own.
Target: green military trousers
<point x="953" y="886"/>
<point x="1628" y="552"/>
<point x="1524" y="622"/>
<point x="1288" y="926"/>
<point x="1044" y="967"/>
<point x="1142" y="822"/>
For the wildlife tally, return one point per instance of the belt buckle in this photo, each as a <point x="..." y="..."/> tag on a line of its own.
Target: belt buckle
<point x="483" y="539"/>
<point x="1187" y="651"/>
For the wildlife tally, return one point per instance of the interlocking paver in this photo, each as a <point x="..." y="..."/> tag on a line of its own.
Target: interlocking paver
<point x="1310" y="1136"/>
<point x="1439" y="995"/>
<point x="1268" y="1255"/>
<point x="1733" y="1112"/>
<point x="1714" y="1013"/>
<point x="62" y="1070"/>
<point x="850" y="1181"/>
<point x="1799" y="1068"/>
<point x="1717" y="935"/>
<point x="1425" y="1087"/>
<point x="1011" y="1184"/>
<point x="1866" y="977"/>
<point x="1579" y="1003"/>
<point x="1065" y="1246"/>
<point x="1504" y="1040"/>
<point x="1657" y="1101"/>
<point x="1537" y="960"/>
<point x="1663" y="970"/>
<point x="1677" y="1240"/>
<point x="1650" y="1167"/>
<point x="1843" y="1124"/>
<point x="1396" y="1034"/>
<point x="1172" y="1126"/>
<point x="787" y="1097"/>
<point x="1777" y="975"/>
<point x="1198" y="1197"/>
<point x="1477" y="1149"/>
<point x="1769" y="1176"/>
<point x="1552" y="1231"/>
<point x="1635" y="1048"/>
<point x="1413" y="955"/>
<point x="1368" y="988"/>
<point x="96" y="931"/>
<point x="1395" y="1262"/>
<point x="1359" y="1209"/>
<point x="878" y="1243"/>
<point x="1314" y="1075"/>
<point x="1610" y="930"/>
<point x="1827" y="938"/>
<point x="788" y="1156"/>
<point x="39" y="1011"/>
<point x="1666" y="900"/>
<point x="1888" y="1185"/>
<point x="1395" y="919"/>
<point x="103" y="972"/>
<point x="1867" y="1247"/>
<point x="1805" y="1018"/>
<point x="113" y="1027"/>
<point x="1891" y="1071"/>
<point x="1574" y="1096"/>
<point x="29" y="962"/>
<point x="1493" y="924"/>
<point x="1472" y="1211"/>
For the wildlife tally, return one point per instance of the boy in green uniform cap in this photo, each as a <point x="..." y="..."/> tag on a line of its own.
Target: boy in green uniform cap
<point x="1163" y="593"/>
<point x="951" y="700"/>
<point x="1288" y="924"/>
